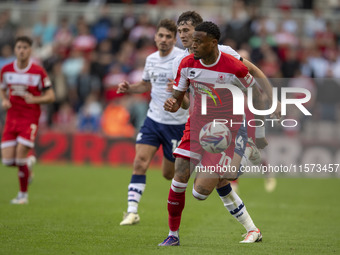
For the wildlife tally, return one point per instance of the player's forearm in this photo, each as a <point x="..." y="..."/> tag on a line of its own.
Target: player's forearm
<point x="3" y="95"/>
<point x="47" y="97"/>
<point x="178" y="95"/>
<point x="186" y="102"/>
<point x="139" y="87"/>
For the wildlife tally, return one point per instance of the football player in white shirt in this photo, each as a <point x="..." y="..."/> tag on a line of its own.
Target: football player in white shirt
<point x="160" y="127"/>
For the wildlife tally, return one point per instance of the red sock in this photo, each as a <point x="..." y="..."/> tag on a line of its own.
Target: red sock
<point x="176" y="203"/>
<point x="24" y="174"/>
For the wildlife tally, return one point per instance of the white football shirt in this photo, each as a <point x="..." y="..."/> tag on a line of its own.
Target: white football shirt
<point x="158" y="70"/>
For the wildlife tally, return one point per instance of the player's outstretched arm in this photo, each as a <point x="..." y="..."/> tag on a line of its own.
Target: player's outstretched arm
<point x="5" y="103"/>
<point x="173" y="103"/>
<point x="45" y="98"/>
<point x="264" y="83"/>
<point x="138" y="88"/>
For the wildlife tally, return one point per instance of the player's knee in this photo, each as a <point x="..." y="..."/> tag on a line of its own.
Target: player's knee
<point x="168" y="175"/>
<point x="8" y="161"/>
<point x="140" y="164"/>
<point x="198" y="195"/>
<point x="20" y="161"/>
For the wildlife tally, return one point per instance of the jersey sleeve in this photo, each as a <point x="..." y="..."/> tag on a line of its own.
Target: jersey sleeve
<point x="181" y="77"/>
<point x="243" y="79"/>
<point x="230" y="51"/>
<point x="175" y="65"/>
<point x="45" y="80"/>
<point x="146" y="75"/>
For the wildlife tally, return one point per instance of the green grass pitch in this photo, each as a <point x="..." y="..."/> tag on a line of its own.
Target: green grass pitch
<point x="77" y="210"/>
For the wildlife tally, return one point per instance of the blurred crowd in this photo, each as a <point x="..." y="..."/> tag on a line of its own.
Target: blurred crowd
<point x="86" y="61"/>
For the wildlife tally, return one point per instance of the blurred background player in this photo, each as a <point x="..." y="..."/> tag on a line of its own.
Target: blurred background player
<point x="160" y="127"/>
<point x="28" y="86"/>
<point x="202" y="69"/>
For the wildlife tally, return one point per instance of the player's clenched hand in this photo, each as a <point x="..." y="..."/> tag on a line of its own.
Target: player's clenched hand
<point x="261" y="143"/>
<point x="170" y="84"/>
<point x="170" y="104"/>
<point x="29" y="98"/>
<point x="6" y="104"/>
<point x="123" y="87"/>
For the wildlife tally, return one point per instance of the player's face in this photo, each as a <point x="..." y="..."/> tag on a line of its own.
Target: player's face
<point x="165" y="40"/>
<point x="22" y="51"/>
<point x="202" y="45"/>
<point x="185" y="31"/>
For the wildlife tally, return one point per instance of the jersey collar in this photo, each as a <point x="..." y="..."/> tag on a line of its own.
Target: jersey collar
<point x="218" y="59"/>
<point x="18" y="70"/>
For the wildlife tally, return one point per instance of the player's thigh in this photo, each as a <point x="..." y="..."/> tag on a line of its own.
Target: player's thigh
<point x="205" y="182"/>
<point x="8" y="152"/>
<point x="22" y="151"/>
<point x="144" y="155"/>
<point x="168" y="168"/>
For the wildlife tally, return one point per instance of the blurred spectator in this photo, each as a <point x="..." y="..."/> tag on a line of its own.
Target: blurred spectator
<point x="44" y="30"/>
<point x="116" y="121"/>
<point x="72" y="67"/>
<point x="84" y="41"/>
<point x="101" y="29"/>
<point x="87" y="84"/>
<point x="7" y="29"/>
<point x="90" y="114"/>
<point x="328" y="91"/>
<point x="65" y="119"/>
<point x="111" y="81"/>
<point x="63" y="38"/>
<point x="238" y="28"/>
<point x="314" y="23"/>
<point x="144" y="31"/>
<point x="61" y="91"/>
<point x="290" y="64"/>
<point x="7" y="55"/>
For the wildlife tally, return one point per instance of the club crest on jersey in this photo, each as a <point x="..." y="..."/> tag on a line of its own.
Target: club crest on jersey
<point x="221" y="78"/>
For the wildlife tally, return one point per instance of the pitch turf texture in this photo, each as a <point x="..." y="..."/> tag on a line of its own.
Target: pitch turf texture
<point x="77" y="210"/>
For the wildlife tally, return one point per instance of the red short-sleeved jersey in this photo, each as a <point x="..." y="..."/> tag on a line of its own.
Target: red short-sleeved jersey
<point x="32" y="79"/>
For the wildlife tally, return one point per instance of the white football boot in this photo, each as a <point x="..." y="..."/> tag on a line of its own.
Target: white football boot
<point x="130" y="219"/>
<point x="21" y="199"/>
<point x="252" y="236"/>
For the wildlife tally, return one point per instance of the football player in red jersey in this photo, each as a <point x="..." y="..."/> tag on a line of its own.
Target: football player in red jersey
<point x="28" y="86"/>
<point x="202" y="69"/>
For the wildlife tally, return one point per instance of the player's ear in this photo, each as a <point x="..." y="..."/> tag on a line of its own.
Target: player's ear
<point x="214" y="42"/>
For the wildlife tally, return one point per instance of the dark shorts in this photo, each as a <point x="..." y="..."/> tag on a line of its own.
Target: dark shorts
<point x="156" y="134"/>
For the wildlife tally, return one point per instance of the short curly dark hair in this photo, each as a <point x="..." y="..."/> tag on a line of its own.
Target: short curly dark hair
<point x="191" y="16"/>
<point x="168" y="24"/>
<point x="210" y="28"/>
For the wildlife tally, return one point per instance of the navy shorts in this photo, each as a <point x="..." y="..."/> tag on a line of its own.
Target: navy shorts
<point x="156" y="134"/>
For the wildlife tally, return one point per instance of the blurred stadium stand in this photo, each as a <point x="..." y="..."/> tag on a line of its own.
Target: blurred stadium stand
<point x="88" y="47"/>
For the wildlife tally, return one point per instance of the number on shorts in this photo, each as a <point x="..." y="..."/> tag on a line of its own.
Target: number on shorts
<point x="175" y="144"/>
<point x="34" y="128"/>
<point x="225" y="160"/>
